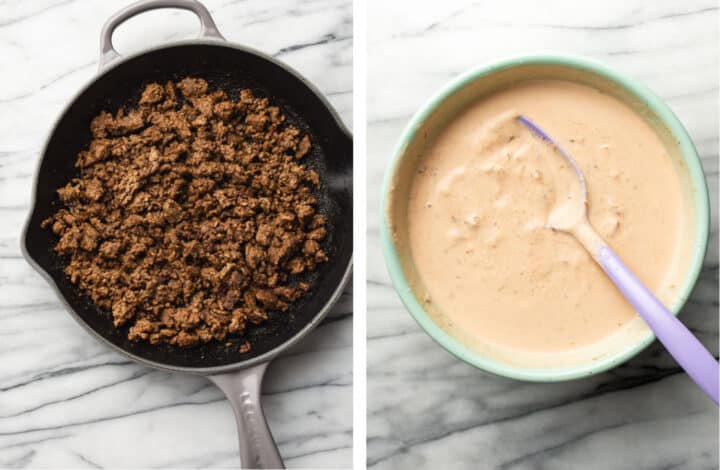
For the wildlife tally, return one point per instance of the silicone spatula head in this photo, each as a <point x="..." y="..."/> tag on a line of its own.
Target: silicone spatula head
<point x="574" y="208"/>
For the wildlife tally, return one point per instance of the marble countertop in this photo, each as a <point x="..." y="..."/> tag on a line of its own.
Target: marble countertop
<point x="65" y="399"/>
<point x="426" y="409"/>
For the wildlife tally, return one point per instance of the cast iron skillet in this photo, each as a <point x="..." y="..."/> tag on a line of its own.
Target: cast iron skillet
<point x="232" y="68"/>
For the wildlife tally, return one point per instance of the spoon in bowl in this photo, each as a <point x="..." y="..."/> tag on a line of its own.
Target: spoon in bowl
<point x="687" y="350"/>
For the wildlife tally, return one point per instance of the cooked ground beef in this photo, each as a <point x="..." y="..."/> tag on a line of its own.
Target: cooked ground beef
<point x="190" y="214"/>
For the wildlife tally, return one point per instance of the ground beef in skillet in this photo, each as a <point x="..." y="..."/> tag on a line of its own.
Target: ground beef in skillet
<point x="190" y="213"/>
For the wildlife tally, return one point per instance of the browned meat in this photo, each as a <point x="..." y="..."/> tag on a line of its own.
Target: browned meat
<point x="189" y="217"/>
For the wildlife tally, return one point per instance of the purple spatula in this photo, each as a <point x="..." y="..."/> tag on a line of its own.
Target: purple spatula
<point x="692" y="356"/>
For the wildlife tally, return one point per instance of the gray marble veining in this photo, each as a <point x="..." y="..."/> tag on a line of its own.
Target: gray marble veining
<point x="66" y="400"/>
<point x="428" y="410"/>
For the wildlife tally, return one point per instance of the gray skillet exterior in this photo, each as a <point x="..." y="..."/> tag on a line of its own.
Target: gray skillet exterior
<point x="240" y="381"/>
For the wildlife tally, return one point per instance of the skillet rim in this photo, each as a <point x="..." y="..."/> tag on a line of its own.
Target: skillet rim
<point x="238" y="365"/>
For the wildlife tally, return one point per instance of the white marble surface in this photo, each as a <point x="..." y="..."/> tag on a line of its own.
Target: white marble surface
<point x="65" y="399"/>
<point x="427" y="409"/>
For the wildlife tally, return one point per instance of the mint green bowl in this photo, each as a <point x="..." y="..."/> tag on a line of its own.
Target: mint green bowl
<point x="483" y="80"/>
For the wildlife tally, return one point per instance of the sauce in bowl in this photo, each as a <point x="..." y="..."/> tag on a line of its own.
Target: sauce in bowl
<point x="491" y="272"/>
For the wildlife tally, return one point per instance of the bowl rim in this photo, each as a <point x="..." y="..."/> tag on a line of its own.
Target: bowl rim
<point x="656" y="106"/>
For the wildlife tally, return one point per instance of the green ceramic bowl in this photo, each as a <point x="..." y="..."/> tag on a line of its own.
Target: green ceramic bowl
<point x="483" y="80"/>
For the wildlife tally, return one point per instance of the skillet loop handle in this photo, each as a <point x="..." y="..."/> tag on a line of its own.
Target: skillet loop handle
<point x="242" y="388"/>
<point x="108" y="54"/>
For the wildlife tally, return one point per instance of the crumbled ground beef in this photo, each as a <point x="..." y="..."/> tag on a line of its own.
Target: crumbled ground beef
<point x="190" y="214"/>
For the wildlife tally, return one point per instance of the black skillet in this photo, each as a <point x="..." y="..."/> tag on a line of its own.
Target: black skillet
<point x="232" y="68"/>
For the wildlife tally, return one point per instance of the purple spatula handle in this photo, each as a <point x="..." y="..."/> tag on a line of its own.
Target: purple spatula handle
<point x="692" y="356"/>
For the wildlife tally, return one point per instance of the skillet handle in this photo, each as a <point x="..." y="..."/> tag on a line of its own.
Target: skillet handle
<point x="242" y="388"/>
<point x="109" y="54"/>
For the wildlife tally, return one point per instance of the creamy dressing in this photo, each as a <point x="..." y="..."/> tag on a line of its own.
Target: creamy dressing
<point x="486" y="190"/>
